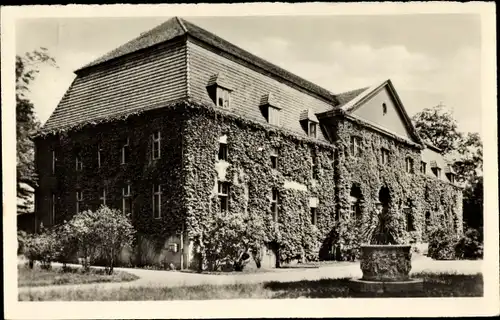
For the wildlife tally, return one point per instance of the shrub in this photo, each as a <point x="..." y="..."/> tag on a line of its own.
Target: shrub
<point x="100" y="234"/>
<point x="441" y="245"/>
<point x="21" y="241"/>
<point x="41" y="247"/>
<point x="470" y="245"/>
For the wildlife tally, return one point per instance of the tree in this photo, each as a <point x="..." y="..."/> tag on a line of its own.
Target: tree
<point x="27" y="68"/>
<point x="437" y="126"/>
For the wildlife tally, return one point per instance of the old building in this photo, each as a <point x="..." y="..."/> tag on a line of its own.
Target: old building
<point x="178" y="126"/>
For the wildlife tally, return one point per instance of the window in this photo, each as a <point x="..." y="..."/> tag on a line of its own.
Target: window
<point x="313" y="216"/>
<point x="223" y="193"/>
<point x="409" y="165"/>
<point x="274" y="203"/>
<point x="273" y="116"/>
<point x="437" y="172"/>
<point x="223" y="97"/>
<point x="312" y="129"/>
<point x="79" y="163"/>
<point x="125" y="151"/>
<point x="384" y="156"/>
<point x="222" y="151"/>
<point x="157" y="201"/>
<point x="314" y="166"/>
<point x="79" y="199"/>
<point x="423" y="167"/>
<point x="54" y="160"/>
<point x="451" y="177"/>
<point x="156" y="150"/>
<point x="53" y="209"/>
<point x="355" y="146"/>
<point x="409" y="219"/>
<point x="274" y="158"/>
<point x="127" y="199"/>
<point x="427" y="220"/>
<point x="384" y="108"/>
<point x="103" y="196"/>
<point x="99" y="150"/>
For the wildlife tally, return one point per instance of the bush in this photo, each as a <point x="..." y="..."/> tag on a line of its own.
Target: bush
<point x="441" y="245"/>
<point x="470" y="245"/>
<point x="41" y="247"/>
<point x="100" y="234"/>
<point x="22" y="236"/>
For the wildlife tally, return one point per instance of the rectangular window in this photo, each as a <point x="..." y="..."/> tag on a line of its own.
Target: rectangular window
<point x="79" y="163"/>
<point x="223" y="194"/>
<point x="156" y="150"/>
<point x="312" y="129"/>
<point x="223" y="97"/>
<point x="53" y="209"/>
<point x="274" y="204"/>
<point x="99" y="150"/>
<point x="409" y="219"/>
<point x="125" y="151"/>
<point x="127" y="199"/>
<point x="79" y="199"/>
<point x="157" y="201"/>
<point x="54" y="160"/>
<point x="437" y="172"/>
<point x="274" y="158"/>
<point x="223" y="151"/>
<point x="313" y="216"/>
<point x="423" y="167"/>
<point x="103" y="196"/>
<point x="384" y="156"/>
<point x="451" y="177"/>
<point x="355" y="146"/>
<point x="409" y="165"/>
<point x="273" y="116"/>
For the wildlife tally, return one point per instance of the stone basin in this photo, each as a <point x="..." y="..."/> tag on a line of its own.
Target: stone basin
<point x="386" y="263"/>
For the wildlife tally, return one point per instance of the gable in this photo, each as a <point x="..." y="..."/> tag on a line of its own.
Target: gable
<point x="382" y="109"/>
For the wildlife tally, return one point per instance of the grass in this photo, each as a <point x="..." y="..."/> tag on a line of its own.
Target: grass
<point x="36" y="277"/>
<point x="435" y="285"/>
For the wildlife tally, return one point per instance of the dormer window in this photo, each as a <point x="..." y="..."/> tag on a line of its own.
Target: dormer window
<point x="451" y="177"/>
<point x="312" y="129"/>
<point x="437" y="172"/>
<point x="219" y="91"/>
<point x="270" y="109"/>
<point x="423" y="167"/>
<point x="309" y="122"/>
<point x="223" y="97"/>
<point x="450" y="173"/>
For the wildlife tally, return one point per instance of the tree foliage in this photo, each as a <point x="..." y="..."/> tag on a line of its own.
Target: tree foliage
<point x="27" y="68"/>
<point x="438" y="127"/>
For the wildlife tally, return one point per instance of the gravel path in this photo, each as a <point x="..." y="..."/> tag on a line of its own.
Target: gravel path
<point x="155" y="278"/>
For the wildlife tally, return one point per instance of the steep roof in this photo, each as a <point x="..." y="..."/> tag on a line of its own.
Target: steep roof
<point x="176" y="27"/>
<point x="345" y="97"/>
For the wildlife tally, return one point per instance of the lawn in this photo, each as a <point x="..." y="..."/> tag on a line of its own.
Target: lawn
<point x="35" y="277"/>
<point x="435" y="285"/>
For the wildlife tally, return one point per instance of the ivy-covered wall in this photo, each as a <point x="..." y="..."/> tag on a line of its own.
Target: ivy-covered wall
<point x="141" y="172"/>
<point x="251" y="178"/>
<point x="189" y="170"/>
<point x="419" y="192"/>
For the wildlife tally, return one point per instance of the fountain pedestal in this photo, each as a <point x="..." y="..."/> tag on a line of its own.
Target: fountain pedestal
<point x="386" y="268"/>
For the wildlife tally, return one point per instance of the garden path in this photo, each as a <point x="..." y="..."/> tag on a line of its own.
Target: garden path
<point x="160" y="278"/>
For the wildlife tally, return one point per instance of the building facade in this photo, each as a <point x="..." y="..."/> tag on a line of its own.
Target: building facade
<point x="179" y="126"/>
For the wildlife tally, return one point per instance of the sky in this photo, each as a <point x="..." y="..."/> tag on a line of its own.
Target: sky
<point x="431" y="58"/>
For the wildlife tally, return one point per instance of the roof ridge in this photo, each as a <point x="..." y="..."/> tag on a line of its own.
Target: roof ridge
<point x="181" y="22"/>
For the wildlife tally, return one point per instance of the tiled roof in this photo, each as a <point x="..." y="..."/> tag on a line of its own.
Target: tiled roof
<point x="176" y="27"/>
<point x="345" y="97"/>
